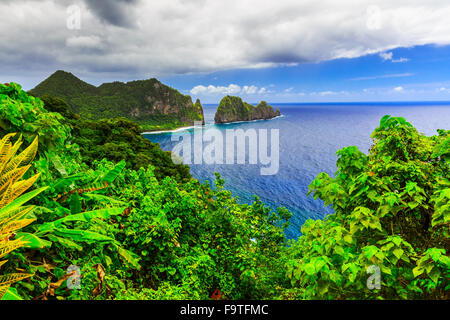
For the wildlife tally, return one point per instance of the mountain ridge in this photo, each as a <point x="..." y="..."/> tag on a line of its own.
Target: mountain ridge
<point x="149" y="102"/>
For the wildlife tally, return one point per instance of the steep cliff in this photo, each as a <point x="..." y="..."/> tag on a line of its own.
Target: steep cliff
<point x="233" y="109"/>
<point x="150" y="103"/>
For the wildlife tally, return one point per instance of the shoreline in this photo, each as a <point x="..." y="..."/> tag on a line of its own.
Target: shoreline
<point x="192" y="127"/>
<point x="169" y="131"/>
<point x="280" y="116"/>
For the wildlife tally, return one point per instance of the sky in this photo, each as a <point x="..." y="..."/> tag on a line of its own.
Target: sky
<point x="278" y="51"/>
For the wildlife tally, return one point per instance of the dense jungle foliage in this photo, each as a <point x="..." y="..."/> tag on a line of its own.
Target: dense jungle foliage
<point x="149" y="103"/>
<point x="116" y="139"/>
<point x="139" y="232"/>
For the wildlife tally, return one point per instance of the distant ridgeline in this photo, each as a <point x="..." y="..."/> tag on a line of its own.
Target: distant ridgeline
<point x="233" y="109"/>
<point x="150" y="103"/>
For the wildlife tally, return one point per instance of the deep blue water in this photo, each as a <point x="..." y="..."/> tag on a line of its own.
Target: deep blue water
<point x="310" y="135"/>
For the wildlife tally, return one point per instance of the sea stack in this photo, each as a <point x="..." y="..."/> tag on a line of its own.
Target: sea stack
<point x="232" y="109"/>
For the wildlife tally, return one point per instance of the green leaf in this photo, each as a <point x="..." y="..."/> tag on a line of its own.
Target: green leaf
<point x="65" y="182"/>
<point x="84" y="216"/>
<point x="75" y="203"/>
<point x="66" y="242"/>
<point x="58" y="165"/>
<point x="417" y="271"/>
<point x="114" y="173"/>
<point x="309" y="269"/>
<point x="11" y="294"/>
<point x="398" y="252"/>
<point x="82" y="235"/>
<point x="34" y="242"/>
<point x="20" y="201"/>
<point x="434" y="275"/>
<point x="130" y="257"/>
<point x="370" y="251"/>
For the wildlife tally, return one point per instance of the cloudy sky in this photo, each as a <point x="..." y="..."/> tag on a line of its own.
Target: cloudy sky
<point x="279" y="51"/>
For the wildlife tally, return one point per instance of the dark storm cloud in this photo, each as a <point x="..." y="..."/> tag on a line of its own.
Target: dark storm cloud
<point x="115" y="12"/>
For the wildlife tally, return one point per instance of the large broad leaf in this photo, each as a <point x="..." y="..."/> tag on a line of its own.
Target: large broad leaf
<point x="112" y="175"/>
<point x="65" y="182"/>
<point x="65" y="242"/>
<point x="84" y="216"/>
<point x="11" y="294"/>
<point x="130" y="257"/>
<point x="20" y="201"/>
<point x="103" y="199"/>
<point x="75" y="203"/>
<point x="82" y="235"/>
<point x="33" y="241"/>
<point x="58" y="165"/>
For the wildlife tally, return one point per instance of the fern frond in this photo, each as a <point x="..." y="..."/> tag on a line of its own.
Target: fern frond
<point x="12" y="157"/>
<point x="23" y="158"/>
<point x="3" y="262"/>
<point x="17" y="189"/>
<point x="15" y="225"/>
<point x="7" y="279"/>
<point x="12" y="176"/>
<point x="3" y="290"/>
<point x="6" y="195"/>
<point x="5" y="148"/>
<point x="8" y="246"/>
<point x="16" y="214"/>
<point x="22" y="186"/>
<point x="12" y="207"/>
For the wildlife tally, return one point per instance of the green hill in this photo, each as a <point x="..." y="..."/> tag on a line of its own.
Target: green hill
<point x="150" y="103"/>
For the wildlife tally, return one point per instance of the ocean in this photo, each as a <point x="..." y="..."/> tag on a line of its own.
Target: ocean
<point x="309" y="136"/>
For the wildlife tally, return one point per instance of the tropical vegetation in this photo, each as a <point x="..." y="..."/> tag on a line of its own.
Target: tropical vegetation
<point x="111" y="213"/>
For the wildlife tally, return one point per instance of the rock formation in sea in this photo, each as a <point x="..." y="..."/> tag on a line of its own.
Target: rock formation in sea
<point x="232" y="109"/>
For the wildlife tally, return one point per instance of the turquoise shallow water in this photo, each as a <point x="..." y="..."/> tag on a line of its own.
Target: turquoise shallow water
<point x="310" y="135"/>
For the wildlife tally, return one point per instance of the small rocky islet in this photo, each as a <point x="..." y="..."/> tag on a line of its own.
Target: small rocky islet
<point x="233" y="109"/>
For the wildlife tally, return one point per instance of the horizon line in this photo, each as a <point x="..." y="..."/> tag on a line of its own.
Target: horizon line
<point x="350" y="102"/>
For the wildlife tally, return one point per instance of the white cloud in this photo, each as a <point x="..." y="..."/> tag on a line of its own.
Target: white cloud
<point x="87" y="42"/>
<point x="157" y="38"/>
<point x="384" y="76"/>
<point x="288" y="90"/>
<point x="262" y="90"/>
<point x="327" y="93"/>
<point x="249" y="90"/>
<point x="400" y="60"/>
<point x="231" y="89"/>
<point x="226" y="90"/>
<point x="398" y="89"/>
<point x="388" y="56"/>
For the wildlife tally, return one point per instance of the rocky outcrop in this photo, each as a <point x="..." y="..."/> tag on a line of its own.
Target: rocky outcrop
<point x="148" y="102"/>
<point x="232" y="109"/>
<point x="199" y="108"/>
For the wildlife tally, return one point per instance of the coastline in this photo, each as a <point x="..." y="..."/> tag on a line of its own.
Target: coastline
<point x="168" y="131"/>
<point x="192" y="127"/>
<point x="280" y="116"/>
